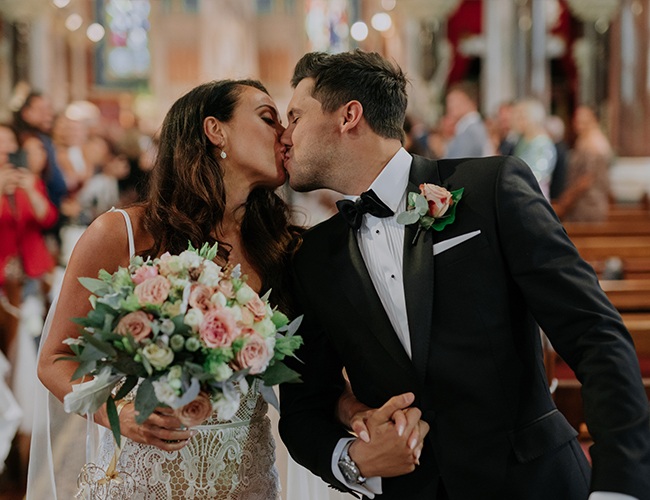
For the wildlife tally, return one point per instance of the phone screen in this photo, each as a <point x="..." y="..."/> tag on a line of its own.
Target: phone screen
<point x="18" y="159"/>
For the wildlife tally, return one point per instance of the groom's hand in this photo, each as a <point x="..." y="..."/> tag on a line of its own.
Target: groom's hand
<point x="395" y="438"/>
<point x="358" y="422"/>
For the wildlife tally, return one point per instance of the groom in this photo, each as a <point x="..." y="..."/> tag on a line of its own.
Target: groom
<point x="448" y="315"/>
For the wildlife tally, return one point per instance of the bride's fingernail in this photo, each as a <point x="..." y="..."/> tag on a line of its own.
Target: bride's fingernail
<point x="400" y="430"/>
<point x="364" y="436"/>
<point x="194" y="432"/>
<point x="412" y="444"/>
<point x="417" y="456"/>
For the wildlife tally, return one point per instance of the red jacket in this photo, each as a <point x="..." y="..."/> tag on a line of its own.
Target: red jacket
<point x="21" y="233"/>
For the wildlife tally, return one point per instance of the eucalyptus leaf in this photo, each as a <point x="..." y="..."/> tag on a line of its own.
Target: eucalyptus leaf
<point x="91" y="353"/>
<point x="408" y="217"/>
<point x="84" y="368"/>
<point x="294" y="325"/>
<point x="269" y="395"/>
<point x="130" y="382"/>
<point x="421" y="204"/>
<point x="411" y="198"/>
<point x="99" y="344"/>
<point x="112" y="300"/>
<point x="145" y="401"/>
<point x="113" y="419"/>
<point x="98" y="287"/>
<point x="279" y="373"/>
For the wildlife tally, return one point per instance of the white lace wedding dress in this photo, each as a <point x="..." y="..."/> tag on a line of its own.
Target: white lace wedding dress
<point x="229" y="460"/>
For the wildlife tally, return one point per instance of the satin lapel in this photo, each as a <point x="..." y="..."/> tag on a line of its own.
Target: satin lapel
<point x="418" y="272"/>
<point x="358" y="287"/>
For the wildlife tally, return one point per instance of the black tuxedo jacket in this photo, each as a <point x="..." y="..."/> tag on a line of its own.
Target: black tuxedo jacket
<point x="476" y="367"/>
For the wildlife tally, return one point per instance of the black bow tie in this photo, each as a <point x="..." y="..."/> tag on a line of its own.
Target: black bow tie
<point x="367" y="203"/>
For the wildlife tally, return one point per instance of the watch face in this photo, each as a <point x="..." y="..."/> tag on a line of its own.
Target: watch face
<point x="349" y="471"/>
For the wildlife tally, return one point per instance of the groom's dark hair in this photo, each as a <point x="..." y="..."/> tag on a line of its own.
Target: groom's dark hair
<point x="366" y="77"/>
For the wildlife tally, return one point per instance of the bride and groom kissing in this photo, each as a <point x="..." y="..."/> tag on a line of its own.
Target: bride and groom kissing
<point x="433" y="317"/>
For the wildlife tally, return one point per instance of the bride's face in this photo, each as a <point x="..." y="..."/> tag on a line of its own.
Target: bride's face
<point x="252" y="140"/>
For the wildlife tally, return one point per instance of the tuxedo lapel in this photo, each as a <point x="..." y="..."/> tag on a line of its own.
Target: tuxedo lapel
<point x="358" y="287"/>
<point x="418" y="271"/>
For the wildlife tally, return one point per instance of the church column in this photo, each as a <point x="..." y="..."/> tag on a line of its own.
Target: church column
<point x="539" y="62"/>
<point x="497" y="72"/>
<point x="629" y="80"/>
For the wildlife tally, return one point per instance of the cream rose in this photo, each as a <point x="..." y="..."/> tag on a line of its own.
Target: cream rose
<point x="244" y="294"/>
<point x="218" y="328"/>
<point x="200" y="298"/>
<point x="153" y="290"/>
<point x="438" y="197"/>
<point x="195" y="412"/>
<point x="169" y="264"/>
<point x="159" y="357"/>
<point x="137" y="323"/>
<point x="193" y="319"/>
<point x="254" y="354"/>
<point x="190" y="260"/>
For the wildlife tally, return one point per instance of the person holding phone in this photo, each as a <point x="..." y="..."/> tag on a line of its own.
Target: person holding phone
<point x="25" y="211"/>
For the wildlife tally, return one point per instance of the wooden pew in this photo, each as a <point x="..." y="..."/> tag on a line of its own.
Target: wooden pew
<point x="628" y="295"/>
<point x="609" y="228"/>
<point x="567" y="394"/>
<point x="594" y="248"/>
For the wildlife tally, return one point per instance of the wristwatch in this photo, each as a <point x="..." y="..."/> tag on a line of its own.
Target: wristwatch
<point x="348" y="468"/>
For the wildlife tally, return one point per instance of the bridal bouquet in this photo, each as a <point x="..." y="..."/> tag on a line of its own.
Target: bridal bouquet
<point x="184" y="333"/>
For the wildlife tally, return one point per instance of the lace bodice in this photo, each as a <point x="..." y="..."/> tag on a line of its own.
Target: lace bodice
<point x="226" y="460"/>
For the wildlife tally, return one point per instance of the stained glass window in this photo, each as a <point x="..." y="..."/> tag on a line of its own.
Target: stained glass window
<point x="327" y="25"/>
<point x="123" y="57"/>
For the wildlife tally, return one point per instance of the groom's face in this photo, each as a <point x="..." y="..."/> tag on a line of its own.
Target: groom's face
<point x="310" y="140"/>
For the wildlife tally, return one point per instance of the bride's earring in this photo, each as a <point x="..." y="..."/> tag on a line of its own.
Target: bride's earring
<point x="223" y="154"/>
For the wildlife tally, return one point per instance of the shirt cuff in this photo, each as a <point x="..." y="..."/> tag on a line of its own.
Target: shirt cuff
<point x="610" y="495"/>
<point x="371" y="487"/>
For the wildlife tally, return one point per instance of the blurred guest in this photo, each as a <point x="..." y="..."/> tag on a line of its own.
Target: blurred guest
<point x="101" y="192"/>
<point x="507" y="136"/>
<point x="534" y="146"/>
<point x="69" y="137"/>
<point x="585" y="198"/>
<point x="555" y="129"/>
<point x="25" y="210"/>
<point x="470" y="136"/>
<point x="415" y="142"/>
<point x="441" y="136"/>
<point x="35" y="116"/>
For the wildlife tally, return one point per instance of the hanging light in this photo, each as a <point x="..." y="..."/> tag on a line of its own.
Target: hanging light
<point x="381" y="21"/>
<point x="359" y="31"/>
<point x="74" y="22"/>
<point x="95" y="32"/>
<point x="60" y="3"/>
<point x="388" y="4"/>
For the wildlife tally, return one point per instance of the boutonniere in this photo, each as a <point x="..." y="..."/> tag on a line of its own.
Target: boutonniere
<point x="432" y="208"/>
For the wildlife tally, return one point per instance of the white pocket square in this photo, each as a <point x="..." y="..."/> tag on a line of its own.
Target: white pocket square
<point x="452" y="242"/>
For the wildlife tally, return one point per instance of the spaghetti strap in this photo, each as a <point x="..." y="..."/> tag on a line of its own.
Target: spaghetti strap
<point x="129" y="230"/>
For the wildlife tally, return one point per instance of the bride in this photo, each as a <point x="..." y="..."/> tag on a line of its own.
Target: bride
<point x="220" y="161"/>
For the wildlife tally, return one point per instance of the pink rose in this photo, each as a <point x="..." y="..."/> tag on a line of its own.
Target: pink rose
<point x="153" y="290"/>
<point x="195" y="412"/>
<point x="218" y="328"/>
<point x="136" y="323"/>
<point x="257" y="307"/>
<point x="438" y="197"/>
<point x="144" y="273"/>
<point x="254" y="354"/>
<point x="226" y="288"/>
<point x="200" y="298"/>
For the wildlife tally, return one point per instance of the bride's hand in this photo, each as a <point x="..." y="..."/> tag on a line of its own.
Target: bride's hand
<point x="162" y="429"/>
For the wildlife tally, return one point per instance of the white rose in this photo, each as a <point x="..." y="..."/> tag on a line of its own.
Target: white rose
<point x="226" y="408"/>
<point x="265" y="327"/>
<point x="193" y="319"/>
<point x="174" y="264"/>
<point x="244" y="294"/>
<point x="167" y="326"/>
<point x="219" y="298"/>
<point x="175" y="372"/>
<point x="178" y="282"/>
<point x="208" y="264"/>
<point x="224" y="372"/>
<point x="190" y="259"/>
<point x="209" y="277"/>
<point x="235" y="310"/>
<point x="164" y="392"/>
<point x="159" y="358"/>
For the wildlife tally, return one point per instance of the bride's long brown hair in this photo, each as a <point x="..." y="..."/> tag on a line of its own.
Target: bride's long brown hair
<point x="187" y="197"/>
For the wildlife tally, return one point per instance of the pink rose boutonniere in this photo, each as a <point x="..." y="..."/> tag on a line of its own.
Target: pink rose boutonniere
<point x="433" y="207"/>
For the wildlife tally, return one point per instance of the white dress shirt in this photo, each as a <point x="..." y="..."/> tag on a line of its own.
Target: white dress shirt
<point x="381" y="243"/>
